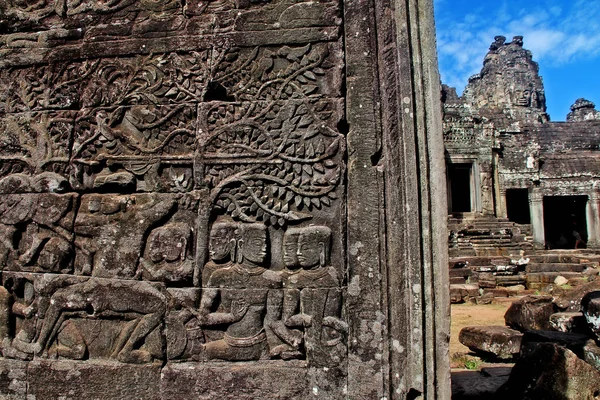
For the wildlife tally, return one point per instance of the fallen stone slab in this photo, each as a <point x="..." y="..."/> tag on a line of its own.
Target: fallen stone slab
<point x="591" y="354"/>
<point x="530" y="312"/>
<point x="551" y="371"/>
<point x="572" y="341"/>
<point x="499" y="341"/>
<point x="571" y="300"/>
<point x="462" y="292"/>
<point x="569" y="322"/>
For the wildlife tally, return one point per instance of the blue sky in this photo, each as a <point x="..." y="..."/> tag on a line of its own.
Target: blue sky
<point x="564" y="37"/>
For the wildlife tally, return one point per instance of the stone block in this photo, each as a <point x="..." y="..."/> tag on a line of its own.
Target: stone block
<point x="530" y="312"/>
<point x="590" y="307"/>
<point x="13" y="379"/>
<point x="461" y="293"/>
<point x="500" y="341"/>
<point x="230" y="381"/>
<point x="569" y="322"/>
<point x="571" y="300"/>
<point x="550" y="371"/>
<point x="98" y="380"/>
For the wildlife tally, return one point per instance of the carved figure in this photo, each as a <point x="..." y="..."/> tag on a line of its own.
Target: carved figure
<point x="138" y="302"/>
<point x="111" y="230"/>
<point x="38" y="231"/>
<point x="222" y="244"/>
<point x="167" y="257"/>
<point x="250" y="299"/>
<point x="312" y="297"/>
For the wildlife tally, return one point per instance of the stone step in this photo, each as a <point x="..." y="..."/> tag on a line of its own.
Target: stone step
<point x="557" y="267"/>
<point x="460" y="272"/>
<point x="457" y="280"/>
<point x="549" y="277"/>
<point x="553" y="258"/>
<point x="510" y="280"/>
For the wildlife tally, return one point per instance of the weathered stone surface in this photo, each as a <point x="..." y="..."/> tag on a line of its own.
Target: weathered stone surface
<point x="569" y="322"/>
<point x="207" y="381"/>
<point x="571" y="300"/>
<point x="459" y="293"/>
<point x="13" y="379"/>
<point x="500" y="341"/>
<point x="591" y="354"/>
<point x="97" y="380"/>
<point x="530" y="312"/>
<point x="209" y="190"/>
<point x="550" y="371"/>
<point x="590" y="307"/>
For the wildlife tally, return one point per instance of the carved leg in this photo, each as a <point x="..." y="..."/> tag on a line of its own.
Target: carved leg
<point x="144" y="327"/>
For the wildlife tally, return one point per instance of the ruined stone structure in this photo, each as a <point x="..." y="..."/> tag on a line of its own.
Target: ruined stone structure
<point x="516" y="180"/>
<point x="233" y="199"/>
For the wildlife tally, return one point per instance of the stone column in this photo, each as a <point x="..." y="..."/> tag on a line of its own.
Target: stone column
<point x="501" y="208"/>
<point x="398" y="300"/>
<point x="536" y="209"/>
<point x="592" y="216"/>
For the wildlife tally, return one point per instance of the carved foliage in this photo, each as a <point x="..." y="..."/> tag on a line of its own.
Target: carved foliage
<point x="272" y="162"/>
<point x="34" y="143"/>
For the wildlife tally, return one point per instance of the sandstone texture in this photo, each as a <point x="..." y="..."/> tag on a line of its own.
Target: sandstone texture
<point x="499" y="341"/>
<point x="530" y="313"/>
<point x="209" y="199"/>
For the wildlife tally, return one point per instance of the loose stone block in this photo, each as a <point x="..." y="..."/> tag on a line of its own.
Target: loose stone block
<point x="500" y="341"/>
<point x="569" y="322"/>
<point x="551" y="371"/>
<point x="530" y="312"/>
<point x="590" y="307"/>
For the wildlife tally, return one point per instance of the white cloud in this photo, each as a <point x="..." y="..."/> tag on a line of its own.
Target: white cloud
<point x="555" y="31"/>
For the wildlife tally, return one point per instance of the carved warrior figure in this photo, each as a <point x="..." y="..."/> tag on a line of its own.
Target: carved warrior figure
<point x="111" y="232"/>
<point x="250" y="298"/>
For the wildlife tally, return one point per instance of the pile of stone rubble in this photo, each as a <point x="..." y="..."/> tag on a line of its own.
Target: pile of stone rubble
<point x="481" y="279"/>
<point x="553" y="342"/>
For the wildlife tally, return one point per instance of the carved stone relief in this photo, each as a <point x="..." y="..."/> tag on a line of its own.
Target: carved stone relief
<point x="172" y="177"/>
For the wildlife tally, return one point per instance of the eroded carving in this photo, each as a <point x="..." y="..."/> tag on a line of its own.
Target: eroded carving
<point x="249" y="300"/>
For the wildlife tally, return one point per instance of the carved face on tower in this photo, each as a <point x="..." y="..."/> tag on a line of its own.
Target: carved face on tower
<point x="222" y="241"/>
<point x="169" y="243"/>
<point x="313" y="247"/>
<point x="253" y="244"/>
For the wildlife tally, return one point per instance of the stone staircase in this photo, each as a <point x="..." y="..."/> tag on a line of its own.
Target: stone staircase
<point x="487" y="236"/>
<point x="574" y="266"/>
<point x="478" y="278"/>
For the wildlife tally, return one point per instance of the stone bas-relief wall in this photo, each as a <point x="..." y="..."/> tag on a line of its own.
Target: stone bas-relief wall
<point x="171" y="182"/>
<point x="208" y="199"/>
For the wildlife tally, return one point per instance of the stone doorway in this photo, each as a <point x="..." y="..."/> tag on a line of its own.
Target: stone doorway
<point x="460" y="187"/>
<point x="565" y="222"/>
<point x="517" y="206"/>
